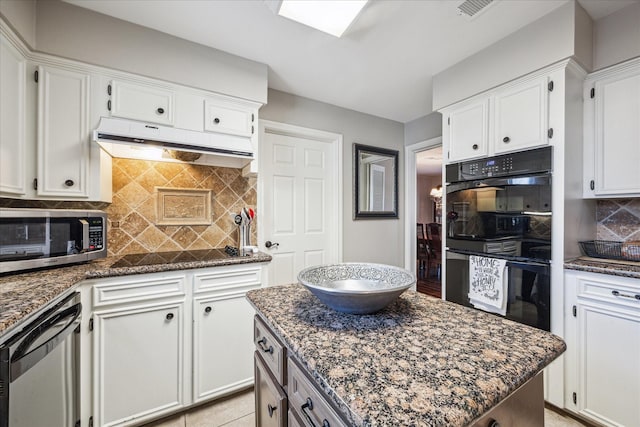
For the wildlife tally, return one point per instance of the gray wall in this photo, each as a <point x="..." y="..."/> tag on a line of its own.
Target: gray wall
<point x="363" y="240"/>
<point x="21" y="15"/>
<point x="73" y="32"/>
<point x="423" y="128"/>
<point x="617" y="37"/>
<point x="541" y="43"/>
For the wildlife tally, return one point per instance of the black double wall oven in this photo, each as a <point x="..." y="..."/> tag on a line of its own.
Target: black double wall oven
<point x="500" y="207"/>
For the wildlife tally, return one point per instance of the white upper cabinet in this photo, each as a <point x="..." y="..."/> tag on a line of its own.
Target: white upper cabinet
<point x="612" y="132"/>
<point x="510" y="118"/>
<point x="521" y="116"/>
<point x="468" y="130"/>
<point x="63" y="132"/>
<point x="142" y="102"/>
<point x="12" y="119"/>
<point x="228" y="118"/>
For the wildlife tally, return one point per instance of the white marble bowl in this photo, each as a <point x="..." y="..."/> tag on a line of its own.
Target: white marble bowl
<point x="356" y="288"/>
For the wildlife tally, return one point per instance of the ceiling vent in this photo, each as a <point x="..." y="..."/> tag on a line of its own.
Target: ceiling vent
<point x="472" y="8"/>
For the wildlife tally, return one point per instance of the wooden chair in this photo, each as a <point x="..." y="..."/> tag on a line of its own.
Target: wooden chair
<point x="435" y="249"/>
<point x="422" y="249"/>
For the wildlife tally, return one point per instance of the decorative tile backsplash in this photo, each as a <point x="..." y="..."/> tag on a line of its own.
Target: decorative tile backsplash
<point x="132" y="215"/>
<point x="618" y="219"/>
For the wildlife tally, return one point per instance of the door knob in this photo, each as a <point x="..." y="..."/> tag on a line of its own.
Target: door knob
<point x="270" y="244"/>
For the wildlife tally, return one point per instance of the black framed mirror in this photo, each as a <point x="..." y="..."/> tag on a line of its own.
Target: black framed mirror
<point x="375" y="182"/>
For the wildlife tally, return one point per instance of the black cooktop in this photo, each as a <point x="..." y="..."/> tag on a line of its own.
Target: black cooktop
<point x="174" y="257"/>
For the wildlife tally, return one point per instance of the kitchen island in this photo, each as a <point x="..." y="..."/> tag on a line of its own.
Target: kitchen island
<point x="420" y="361"/>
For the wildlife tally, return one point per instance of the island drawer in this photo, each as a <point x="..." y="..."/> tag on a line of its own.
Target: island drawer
<point x="272" y="351"/>
<point x="271" y="400"/>
<point x="307" y="402"/>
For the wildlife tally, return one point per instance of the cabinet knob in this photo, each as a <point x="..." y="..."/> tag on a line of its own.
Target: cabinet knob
<point x="506" y="139"/>
<point x="69" y="183"/>
<point x="216" y="120"/>
<point x="271" y="409"/>
<point x="160" y="110"/>
<point x="169" y="316"/>
<point x="207" y="309"/>
<point x="474" y="146"/>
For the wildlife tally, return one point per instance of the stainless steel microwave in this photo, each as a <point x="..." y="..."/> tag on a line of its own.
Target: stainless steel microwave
<point x="36" y="238"/>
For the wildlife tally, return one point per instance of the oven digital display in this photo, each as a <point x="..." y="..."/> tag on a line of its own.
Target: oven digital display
<point x="491" y="163"/>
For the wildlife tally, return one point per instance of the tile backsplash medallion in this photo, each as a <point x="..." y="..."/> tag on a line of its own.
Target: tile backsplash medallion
<point x="618" y="219"/>
<point x="132" y="214"/>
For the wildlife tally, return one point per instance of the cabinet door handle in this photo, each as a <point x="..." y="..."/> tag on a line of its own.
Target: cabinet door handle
<point x="69" y="183"/>
<point x="620" y="294"/>
<point x="506" y="139"/>
<point x="207" y="309"/>
<point x="271" y="409"/>
<point x="160" y="110"/>
<point x="169" y="316"/>
<point x="263" y="345"/>
<point x="216" y="120"/>
<point x="309" y="405"/>
<point x="592" y="185"/>
<point x="474" y="146"/>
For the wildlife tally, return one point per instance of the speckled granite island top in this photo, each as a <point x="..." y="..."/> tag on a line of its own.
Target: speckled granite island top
<point x="26" y="293"/>
<point x="421" y="361"/>
<point x="604" y="266"/>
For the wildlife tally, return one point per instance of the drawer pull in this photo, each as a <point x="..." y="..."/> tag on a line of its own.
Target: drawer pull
<point x="271" y="409"/>
<point x="309" y="405"/>
<point x="262" y="343"/>
<point x="619" y="294"/>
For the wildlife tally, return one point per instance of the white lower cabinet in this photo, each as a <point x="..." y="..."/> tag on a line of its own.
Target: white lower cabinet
<point x="139" y="361"/>
<point x="223" y="333"/>
<point x="162" y="342"/>
<point x="603" y="348"/>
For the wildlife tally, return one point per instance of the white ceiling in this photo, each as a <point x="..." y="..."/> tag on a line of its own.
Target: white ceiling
<point x="383" y="65"/>
<point x="429" y="162"/>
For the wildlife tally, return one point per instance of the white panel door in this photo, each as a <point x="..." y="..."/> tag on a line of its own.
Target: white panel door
<point x="300" y="205"/>
<point x="141" y="102"/>
<point x="12" y="119"/>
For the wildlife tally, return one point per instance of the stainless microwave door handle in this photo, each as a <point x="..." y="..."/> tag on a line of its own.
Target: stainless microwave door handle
<point x="85" y="234"/>
<point x="22" y="361"/>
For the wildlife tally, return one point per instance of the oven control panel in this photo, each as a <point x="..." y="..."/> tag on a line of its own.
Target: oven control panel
<point x="524" y="162"/>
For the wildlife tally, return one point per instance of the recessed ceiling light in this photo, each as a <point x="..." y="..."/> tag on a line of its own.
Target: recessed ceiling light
<point x="330" y="16"/>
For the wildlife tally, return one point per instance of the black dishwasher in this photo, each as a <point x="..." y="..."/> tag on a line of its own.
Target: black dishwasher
<point x="39" y="369"/>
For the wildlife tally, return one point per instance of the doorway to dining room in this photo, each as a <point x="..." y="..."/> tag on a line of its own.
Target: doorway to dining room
<point x="428" y="207"/>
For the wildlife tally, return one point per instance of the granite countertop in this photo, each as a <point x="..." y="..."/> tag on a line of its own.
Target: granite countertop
<point x="605" y="266"/>
<point x="24" y="294"/>
<point x="421" y="361"/>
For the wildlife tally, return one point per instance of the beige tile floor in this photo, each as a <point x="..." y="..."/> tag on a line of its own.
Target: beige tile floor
<point x="238" y="411"/>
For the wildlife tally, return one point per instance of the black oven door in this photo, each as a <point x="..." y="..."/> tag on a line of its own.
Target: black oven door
<point x="529" y="285"/>
<point x="500" y="207"/>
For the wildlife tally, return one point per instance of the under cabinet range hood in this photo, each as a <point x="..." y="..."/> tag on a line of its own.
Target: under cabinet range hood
<point x="147" y="141"/>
